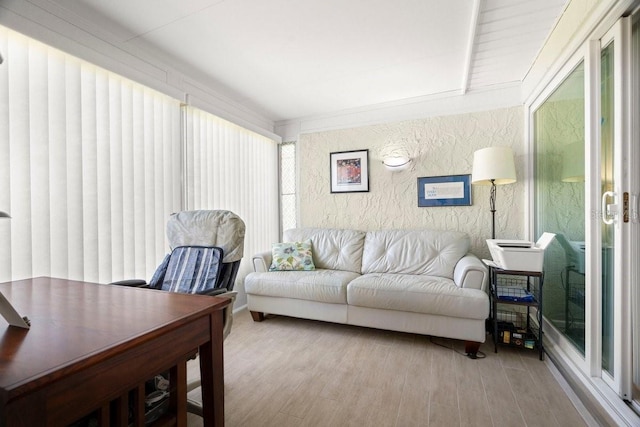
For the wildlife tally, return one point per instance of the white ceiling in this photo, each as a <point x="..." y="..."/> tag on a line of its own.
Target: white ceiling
<point x="288" y="59"/>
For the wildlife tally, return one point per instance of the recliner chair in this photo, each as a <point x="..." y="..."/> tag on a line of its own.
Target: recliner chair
<point x="199" y="240"/>
<point x="207" y="247"/>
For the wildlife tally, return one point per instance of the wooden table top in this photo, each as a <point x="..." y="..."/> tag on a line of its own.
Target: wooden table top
<point x="75" y="324"/>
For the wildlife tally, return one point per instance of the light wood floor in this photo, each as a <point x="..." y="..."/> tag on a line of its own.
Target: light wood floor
<point x="293" y="372"/>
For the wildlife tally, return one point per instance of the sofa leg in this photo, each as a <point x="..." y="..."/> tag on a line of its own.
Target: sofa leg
<point x="471" y="348"/>
<point x="257" y="316"/>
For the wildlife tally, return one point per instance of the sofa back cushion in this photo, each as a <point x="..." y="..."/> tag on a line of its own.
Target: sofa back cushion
<point x="333" y="249"/>
<point x="432" y="253"/>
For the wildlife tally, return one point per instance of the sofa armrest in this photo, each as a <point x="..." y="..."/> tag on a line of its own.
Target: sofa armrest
<point x="261" y="262"/>
<point x="470" y="272"/>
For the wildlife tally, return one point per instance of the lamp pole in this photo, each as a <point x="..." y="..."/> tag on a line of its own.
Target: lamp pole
<point x="492" y="207"/>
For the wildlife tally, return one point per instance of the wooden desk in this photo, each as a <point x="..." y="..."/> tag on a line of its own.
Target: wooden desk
<point x="90" y="345"/>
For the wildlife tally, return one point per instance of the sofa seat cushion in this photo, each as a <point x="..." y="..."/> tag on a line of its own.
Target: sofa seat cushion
<point x="328" y="286"/>
<point x="418" y="294"/>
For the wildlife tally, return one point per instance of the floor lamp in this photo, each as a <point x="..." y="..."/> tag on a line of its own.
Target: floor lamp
<point x="493" y="166"/>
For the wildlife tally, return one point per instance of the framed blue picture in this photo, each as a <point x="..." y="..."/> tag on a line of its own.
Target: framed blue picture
<point x="450" y="190"/>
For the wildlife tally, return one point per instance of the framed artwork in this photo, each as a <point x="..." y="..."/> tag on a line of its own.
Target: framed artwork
<point x="349" y="171"/>
<point x="450" y="190"/>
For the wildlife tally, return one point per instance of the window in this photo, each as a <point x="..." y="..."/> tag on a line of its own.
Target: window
<point x="288" y="185"/>
<point x="229" y="167"/>
<point x="93" y="164"/>
<point x="90" y="167"/>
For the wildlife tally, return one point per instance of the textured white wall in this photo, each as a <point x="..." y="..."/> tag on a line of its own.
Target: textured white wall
<point x="439" y="146"/>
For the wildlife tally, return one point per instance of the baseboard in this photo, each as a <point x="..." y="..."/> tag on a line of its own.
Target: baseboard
<point x="573" y="397"/>
<point x="603" y="409"/>
<point x="236" y="310"/>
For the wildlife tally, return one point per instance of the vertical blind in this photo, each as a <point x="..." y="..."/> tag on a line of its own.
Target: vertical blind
<point x="229" y="167"/>
<point x="288" y="208"/>
<point x="92" y="165"/>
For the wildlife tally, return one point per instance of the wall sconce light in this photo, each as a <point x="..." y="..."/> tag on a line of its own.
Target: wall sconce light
<point x="493" y="166"/>
<point x="4" y="215"/>
<point x="396" y="163"/>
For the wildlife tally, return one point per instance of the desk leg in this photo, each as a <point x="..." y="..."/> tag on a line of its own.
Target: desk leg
<point x="178" y="400"/>
<point x="212" y="374"/>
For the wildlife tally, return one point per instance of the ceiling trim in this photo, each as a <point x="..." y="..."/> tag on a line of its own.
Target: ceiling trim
<point x="444" y="104"/>
<point x="475" y="13"/>
<point x="460" y="68"/>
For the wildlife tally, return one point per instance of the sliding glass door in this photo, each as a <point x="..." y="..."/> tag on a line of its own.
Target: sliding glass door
<point x="613" y="247"/>
<point x="586" y="191"/>
<point x="635" y="234"/>
<point x="609" y="198"/>
<point x="559" y="135"/>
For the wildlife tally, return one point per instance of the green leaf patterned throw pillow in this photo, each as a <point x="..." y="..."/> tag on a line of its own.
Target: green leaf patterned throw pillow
<point x="291" y="256"/>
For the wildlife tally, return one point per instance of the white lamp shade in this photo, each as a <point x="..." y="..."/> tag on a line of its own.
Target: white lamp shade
<point x="573" y="163"/>
<point x="493" y="163"/>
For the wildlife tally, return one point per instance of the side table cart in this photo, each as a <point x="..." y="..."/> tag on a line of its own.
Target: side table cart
<point x="518" y="294"/>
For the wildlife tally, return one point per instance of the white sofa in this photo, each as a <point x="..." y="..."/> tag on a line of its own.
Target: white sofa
<point x="417" y="281"/>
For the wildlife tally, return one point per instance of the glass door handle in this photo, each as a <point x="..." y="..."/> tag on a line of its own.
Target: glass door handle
<point x="609" y="211"/>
